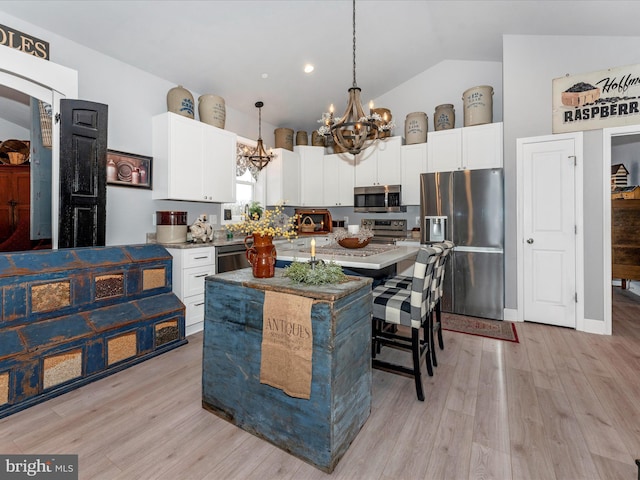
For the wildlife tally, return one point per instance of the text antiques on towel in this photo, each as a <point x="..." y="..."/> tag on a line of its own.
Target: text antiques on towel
<point x="287" y="343"/>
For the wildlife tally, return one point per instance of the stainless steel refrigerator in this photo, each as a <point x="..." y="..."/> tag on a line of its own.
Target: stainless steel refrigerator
<point x="467" y="207"/>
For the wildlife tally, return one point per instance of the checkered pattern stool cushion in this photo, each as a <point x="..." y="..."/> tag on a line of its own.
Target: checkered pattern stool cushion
<point x="403" y="281"/>
<point x="438" y="275"/>
<point x="408" y="306"/>
<point x="399" y="281"/>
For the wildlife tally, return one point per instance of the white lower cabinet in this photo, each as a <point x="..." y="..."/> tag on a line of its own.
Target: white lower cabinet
<point x="190" y="267"/>
<point x="302" y="242"/>
<point x="322" y="240"/>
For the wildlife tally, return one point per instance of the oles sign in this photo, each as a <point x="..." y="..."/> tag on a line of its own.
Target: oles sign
<point x="23" y="42"/>
<point x="608" y="98"/>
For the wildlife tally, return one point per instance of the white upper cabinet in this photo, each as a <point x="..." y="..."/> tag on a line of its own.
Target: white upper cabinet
<point x="192" y="160"/>
<point x="283" y="178"/>
<point x="311" y="175"/>
<point x="338" y="180"/>
<point x="482" y="146"/>
<point x="444" y="150"/>
<point x="414" y="162"/>
<point x="468" y="148"/>
<point x="379" y="164"/>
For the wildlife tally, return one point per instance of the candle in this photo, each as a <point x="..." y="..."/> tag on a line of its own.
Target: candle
<point x="313" y="247"/>
<point x="331" y="108"/>
<point x="370" y="106"/>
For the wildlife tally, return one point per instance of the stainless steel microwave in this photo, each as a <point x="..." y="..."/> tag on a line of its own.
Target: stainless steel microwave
<point x="378" y="198"/>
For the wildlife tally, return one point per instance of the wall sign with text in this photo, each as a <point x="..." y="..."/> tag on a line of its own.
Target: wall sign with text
<point x="25" y="43"/>
<point x="608" y="98"/>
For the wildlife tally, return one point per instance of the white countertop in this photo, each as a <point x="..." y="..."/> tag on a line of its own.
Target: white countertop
<point x="372" y="262"/>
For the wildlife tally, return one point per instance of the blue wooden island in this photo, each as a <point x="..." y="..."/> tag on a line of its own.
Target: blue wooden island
<point x="317" y="430"/>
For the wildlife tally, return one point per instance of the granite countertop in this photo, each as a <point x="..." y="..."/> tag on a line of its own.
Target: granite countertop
<point x="214" y="243"/>
<point x="372" y="262"/>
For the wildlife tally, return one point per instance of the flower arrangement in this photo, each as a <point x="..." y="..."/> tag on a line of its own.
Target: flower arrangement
<point x="342" y="233"/>
<point x="273" y="222"/>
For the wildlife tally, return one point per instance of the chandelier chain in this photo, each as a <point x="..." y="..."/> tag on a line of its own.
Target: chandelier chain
<point x="355" y="130"/>
<point x="259" y="158"/>
<point x="354" y="44"/>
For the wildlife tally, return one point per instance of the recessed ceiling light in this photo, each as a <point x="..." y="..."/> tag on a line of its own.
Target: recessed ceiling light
<point x="308" y="68"/>
<point x="265" y="75"/>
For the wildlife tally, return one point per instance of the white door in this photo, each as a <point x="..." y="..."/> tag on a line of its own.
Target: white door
<point x="549" y="232"/>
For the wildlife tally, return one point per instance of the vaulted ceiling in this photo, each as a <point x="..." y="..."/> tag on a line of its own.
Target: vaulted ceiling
<point x="249" y="50"/>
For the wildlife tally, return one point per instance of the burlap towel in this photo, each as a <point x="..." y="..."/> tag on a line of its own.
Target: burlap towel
<point x="287" y="343"/>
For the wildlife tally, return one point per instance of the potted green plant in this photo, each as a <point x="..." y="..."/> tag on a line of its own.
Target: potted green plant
<point x="254" y="210"/>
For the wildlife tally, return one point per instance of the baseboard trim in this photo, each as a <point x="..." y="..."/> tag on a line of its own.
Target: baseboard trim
<point x="511" y="314"/>
<point x="598" y="327"/>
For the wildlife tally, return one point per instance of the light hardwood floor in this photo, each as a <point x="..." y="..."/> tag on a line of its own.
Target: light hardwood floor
<point x="558" y="405"/>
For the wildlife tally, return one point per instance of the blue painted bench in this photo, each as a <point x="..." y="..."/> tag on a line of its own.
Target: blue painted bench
<point x="69" y="317"/>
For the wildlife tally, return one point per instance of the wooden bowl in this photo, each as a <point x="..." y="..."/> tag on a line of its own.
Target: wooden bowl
<point x="353" y="242"/>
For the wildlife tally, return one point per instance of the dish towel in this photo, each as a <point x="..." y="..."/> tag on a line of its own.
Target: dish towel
<point x="287" y="343"/>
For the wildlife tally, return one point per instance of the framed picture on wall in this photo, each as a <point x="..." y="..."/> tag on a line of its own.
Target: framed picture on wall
<point x="128" y="169"/>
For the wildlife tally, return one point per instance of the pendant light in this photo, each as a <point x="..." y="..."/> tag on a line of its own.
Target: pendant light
<point x="259" y="158"/>
<point x="355" y="130"/>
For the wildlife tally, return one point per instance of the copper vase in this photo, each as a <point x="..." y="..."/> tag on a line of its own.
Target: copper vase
<point x="261" y="255"/>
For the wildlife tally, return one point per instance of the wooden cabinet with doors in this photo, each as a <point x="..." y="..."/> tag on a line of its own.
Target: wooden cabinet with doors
<point x="625" y="239"/>
<point x="14" y="197"/>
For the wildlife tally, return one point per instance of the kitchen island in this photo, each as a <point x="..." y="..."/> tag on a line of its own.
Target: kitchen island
<point x="317" y="429"/>
<point x="375" y="261"/>
<point x="371" y="257"/>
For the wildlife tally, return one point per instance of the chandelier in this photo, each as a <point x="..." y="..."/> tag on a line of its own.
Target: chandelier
<point x="259" y="158"/>
<point x="355" y="128"/>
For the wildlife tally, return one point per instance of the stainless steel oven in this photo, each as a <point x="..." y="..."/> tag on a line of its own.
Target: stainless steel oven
<point x="386" y="231"/>
<point x="231" y="257"/>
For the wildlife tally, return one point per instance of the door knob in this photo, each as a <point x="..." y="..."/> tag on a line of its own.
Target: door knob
<point x="529" y="240"/>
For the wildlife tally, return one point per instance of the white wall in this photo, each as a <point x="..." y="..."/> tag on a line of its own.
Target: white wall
<point x="133" y="97"/>
<point x="530" y="63"/>
<point x="11" y="130"/>
<point x="442" y="83"/>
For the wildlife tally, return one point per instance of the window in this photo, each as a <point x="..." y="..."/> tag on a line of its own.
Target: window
<point x="246" y="178"/>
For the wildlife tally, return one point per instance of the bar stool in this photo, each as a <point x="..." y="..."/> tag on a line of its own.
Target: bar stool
<point x="437" y="287"/>
<point x="409" y="307"/>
